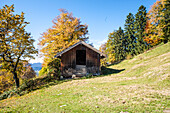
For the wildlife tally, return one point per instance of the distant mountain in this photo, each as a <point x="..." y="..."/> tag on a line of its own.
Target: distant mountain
<point x="36" y="66"/>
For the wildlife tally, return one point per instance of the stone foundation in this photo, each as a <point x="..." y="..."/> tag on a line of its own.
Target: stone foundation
<point x="80" y="70"/>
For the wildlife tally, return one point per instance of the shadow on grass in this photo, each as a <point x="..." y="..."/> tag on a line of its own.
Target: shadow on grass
<point x="108" y="71"/>
<point x="47" y="81"/>
<point x="115" y="63"/>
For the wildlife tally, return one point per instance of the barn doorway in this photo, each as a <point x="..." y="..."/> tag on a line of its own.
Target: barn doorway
<point x="81" y="57"/>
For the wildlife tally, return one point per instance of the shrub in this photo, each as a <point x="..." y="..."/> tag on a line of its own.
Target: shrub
<point x="28" y="85"/>
<point x="6" y="80"/>
<point x="43" y="71"/>
<point x="54" y="68"/>
<point x="8" y="94"/>
<point x="129" y="56"/>
<point x="28" y="73"/>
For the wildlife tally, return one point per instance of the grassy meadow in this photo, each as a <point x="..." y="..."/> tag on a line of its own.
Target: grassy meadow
<point x="141" y="85"/>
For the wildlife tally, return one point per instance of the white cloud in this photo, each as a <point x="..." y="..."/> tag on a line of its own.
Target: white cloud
<point x="36" y="60"/>
<point x="97" y="43"/>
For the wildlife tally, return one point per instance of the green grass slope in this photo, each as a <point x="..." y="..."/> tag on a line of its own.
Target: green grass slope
<point x="143" y="86"/>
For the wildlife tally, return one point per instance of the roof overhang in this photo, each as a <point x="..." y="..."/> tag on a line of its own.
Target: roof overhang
<point x="80" y="43"/>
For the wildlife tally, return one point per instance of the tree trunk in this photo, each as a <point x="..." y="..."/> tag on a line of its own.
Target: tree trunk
<point x="16" y="79"/>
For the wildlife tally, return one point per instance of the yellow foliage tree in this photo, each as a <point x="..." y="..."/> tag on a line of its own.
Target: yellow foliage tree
<point x="110" y="48"/>
<point x="102" y="48"/>
<point x="155" y="23"/>
<point x="6" y="80"/>
<point x="15" y="43"/>
<point x="66" y="31"/>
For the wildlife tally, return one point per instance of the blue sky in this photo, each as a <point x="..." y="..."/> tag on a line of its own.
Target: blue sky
<point x="101" y="16"/>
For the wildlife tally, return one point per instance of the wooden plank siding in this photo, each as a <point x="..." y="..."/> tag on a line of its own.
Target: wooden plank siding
<point x="68" y="60"/>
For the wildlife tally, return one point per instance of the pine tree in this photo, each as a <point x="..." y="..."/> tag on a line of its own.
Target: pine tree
<point x="116" y="44"/>
<point x="166" y="29"/>
<point x="139" y="28"/>
<point x="129" y="35"/>
<point x="121" y="46"/>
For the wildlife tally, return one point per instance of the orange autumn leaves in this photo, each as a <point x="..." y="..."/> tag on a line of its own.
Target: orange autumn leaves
<point x="66" y="31"/>
<point x="155" y="23"/>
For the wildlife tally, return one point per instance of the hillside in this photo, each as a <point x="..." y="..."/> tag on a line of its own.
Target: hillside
<point x="141" y="85"/>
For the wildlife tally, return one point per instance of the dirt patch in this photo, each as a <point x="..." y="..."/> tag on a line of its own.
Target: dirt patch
<point x="166" y="110"/>
<point x="163" y="55"/>
<point x="138" y="65"/>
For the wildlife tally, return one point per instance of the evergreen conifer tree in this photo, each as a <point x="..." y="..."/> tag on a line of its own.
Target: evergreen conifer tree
<point x="166" y="29"/>
<point x="139" y="28"/>
<point x="116" y="43"/>
<point x="120" y="45"/>
<point x="129" y="35"/>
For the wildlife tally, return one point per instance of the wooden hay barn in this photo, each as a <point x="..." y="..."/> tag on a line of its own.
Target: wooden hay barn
<point x="80" y="59"/>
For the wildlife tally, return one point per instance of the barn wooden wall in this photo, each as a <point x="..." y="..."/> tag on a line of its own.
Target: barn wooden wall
<point x="68" y="59"/>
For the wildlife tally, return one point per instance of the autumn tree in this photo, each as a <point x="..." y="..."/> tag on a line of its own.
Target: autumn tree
<point x="15" y="43"/>
<point x="6" y="80"/>
<point x="158" y="26"/>
<point x="66" y="31"/>
<point x="110" y="47"/>
<point x="102" y="49"/>
<point x="155" y="24"/>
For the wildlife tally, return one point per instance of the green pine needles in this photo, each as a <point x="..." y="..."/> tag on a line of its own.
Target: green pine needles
<point x="130" y="41"/>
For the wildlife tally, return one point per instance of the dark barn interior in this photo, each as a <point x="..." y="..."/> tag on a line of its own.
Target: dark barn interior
<point x="81" y="57"/>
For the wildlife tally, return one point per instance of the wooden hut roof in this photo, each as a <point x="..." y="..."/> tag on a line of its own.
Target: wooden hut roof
<point x="80" y="43"/>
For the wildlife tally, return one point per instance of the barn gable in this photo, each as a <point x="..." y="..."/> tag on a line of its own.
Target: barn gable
<point x="80" y="43"/>
<point x="80" y="59"/>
